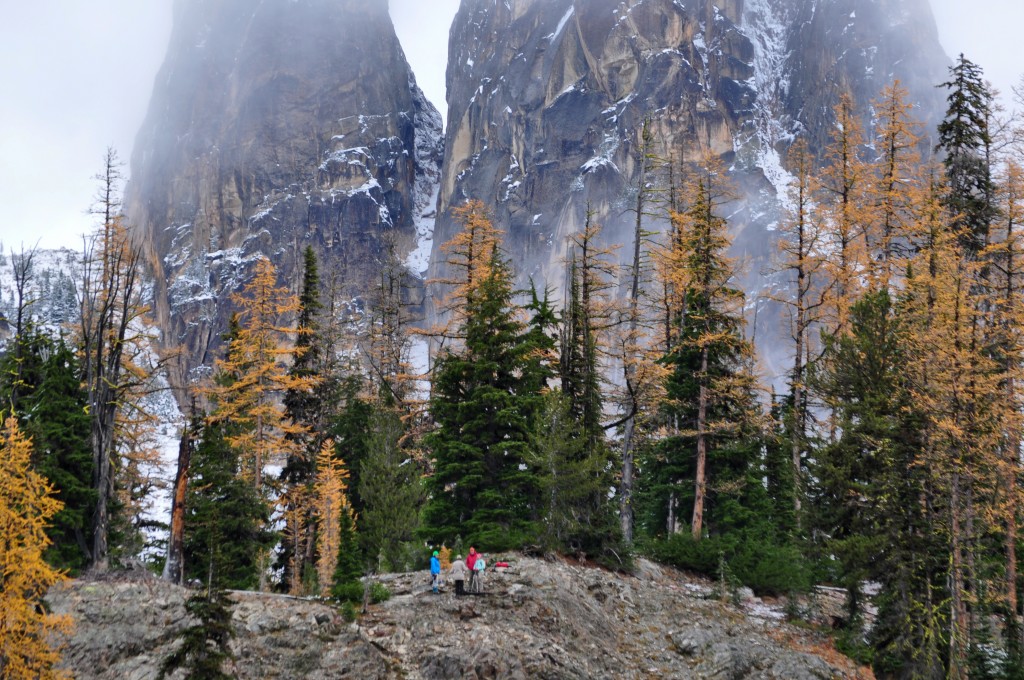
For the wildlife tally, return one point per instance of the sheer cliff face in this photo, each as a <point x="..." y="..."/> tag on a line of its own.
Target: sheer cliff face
<point x="275" y="125"/>
<point x="547" y="99"/>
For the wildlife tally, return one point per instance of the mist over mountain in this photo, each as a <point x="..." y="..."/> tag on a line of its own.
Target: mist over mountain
<point x="547" y="100"/>
<point x="293" y="123"/>
<point x="274" y="126"/>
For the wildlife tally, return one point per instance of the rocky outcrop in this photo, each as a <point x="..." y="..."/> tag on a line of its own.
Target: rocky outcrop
<point x="273" y="126"/>
<point x="539" y="619"/>
<point x="547" y="99"/>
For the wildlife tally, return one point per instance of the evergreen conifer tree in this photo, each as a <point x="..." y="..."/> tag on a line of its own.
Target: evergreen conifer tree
<point x="22" y="368"/>
<point x="205" y="645"/>
<point x="709" y="384"/>
<point x="59" y="426"/>
<point x="313" y="408"/>
<point x="586" y="319"/>
<point x="570" y="480"/>
<point x="868" y="488"/>
<point x="482" y="488"/>
<point x="393" y="495"/>
<point x="226" y="518"/>
<point x="54" y="416"/>
<point x="302" y="404"/>
<point x="966" y="143"/>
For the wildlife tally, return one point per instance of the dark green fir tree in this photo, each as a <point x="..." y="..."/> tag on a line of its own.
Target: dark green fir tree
<point x="60" y="431"/>
<point x="226" y="518"/>
<point x="482" y="488"/>
<point x="41" y="377"/>
<point x="596" y="533"/>
<point x="965" y="140"/>
<point x="873" y="504"/>
<point x="393" y="496"/>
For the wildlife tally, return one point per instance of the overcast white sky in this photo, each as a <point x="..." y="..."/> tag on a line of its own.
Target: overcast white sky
<point x="76" y="76"/>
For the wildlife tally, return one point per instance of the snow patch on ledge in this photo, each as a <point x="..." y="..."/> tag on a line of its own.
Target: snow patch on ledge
<point x="419" y="259"/>
<point x="766" y="23"/>
<point x="561" y="24"/>
<point x="427" y="187"/>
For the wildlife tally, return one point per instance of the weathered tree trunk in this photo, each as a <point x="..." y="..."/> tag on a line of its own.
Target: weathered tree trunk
<point x="958" y="633"/>
<point x="697" y="526"/>
<point x="629" y="365"/>
<point x="109" y="303"/>
<point x="174" y="566"/>
<point x="21" y="266"/>
<point x="671" y="524"/>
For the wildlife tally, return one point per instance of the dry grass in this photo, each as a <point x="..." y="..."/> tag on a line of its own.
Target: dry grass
<point x="824" y="647"/>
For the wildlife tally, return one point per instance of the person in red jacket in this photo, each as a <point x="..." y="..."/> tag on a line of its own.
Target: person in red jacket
<point x="470" y="561"/>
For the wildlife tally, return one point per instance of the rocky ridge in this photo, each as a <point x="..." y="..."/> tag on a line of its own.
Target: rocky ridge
<point x="540" y="619"/>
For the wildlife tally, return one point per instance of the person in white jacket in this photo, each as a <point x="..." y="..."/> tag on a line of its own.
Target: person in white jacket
<point x="458" y="572"/>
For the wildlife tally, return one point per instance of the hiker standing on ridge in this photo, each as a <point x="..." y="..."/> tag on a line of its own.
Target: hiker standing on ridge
<point x="458" y="572"/>
<point x="435" y="572"/>
<point x="479" y="565"/>
<point x="470" y="563"/>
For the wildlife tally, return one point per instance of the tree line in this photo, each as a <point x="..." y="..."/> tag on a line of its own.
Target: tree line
<point x="622" y="415"/>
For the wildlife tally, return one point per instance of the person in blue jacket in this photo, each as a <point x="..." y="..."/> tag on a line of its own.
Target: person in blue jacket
<point x="435" y="572"/>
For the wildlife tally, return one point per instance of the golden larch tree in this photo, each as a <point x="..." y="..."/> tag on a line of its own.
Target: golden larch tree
<point x="948" y="314"/>
<point x="468" y="258"/>
<point x="331" y="504"/>
<point x="1007" y="258"/>
<point x="26" y="505"/>
<point x="801" y="257"/>
<point x="843" y="185"/>
<point x="896" y="188"/>
<point x="256" y="371"/>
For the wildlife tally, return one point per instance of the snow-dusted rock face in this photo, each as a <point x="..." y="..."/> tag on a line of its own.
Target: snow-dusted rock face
<point x="273" y="126"/>
<point x="547" y="99"/>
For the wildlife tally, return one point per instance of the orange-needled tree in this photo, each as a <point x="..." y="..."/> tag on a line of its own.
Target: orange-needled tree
<point x="26" y="507"/>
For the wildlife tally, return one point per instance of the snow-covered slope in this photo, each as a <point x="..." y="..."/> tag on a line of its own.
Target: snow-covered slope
<point x="49" y="295"/>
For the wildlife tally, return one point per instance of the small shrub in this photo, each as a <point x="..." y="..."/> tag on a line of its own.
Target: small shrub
<point x="348" y="611"/>
<point x="445" y="557"/>
<point x="764" y="566"/>
<point x="853" y="645"/>
<point x="379" y="593"/>
<point x="353" y="591"/>
<point x="348" y="592"/>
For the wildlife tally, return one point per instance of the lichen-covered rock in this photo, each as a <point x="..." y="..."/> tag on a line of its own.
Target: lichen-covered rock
<point x="540" y="619"/>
